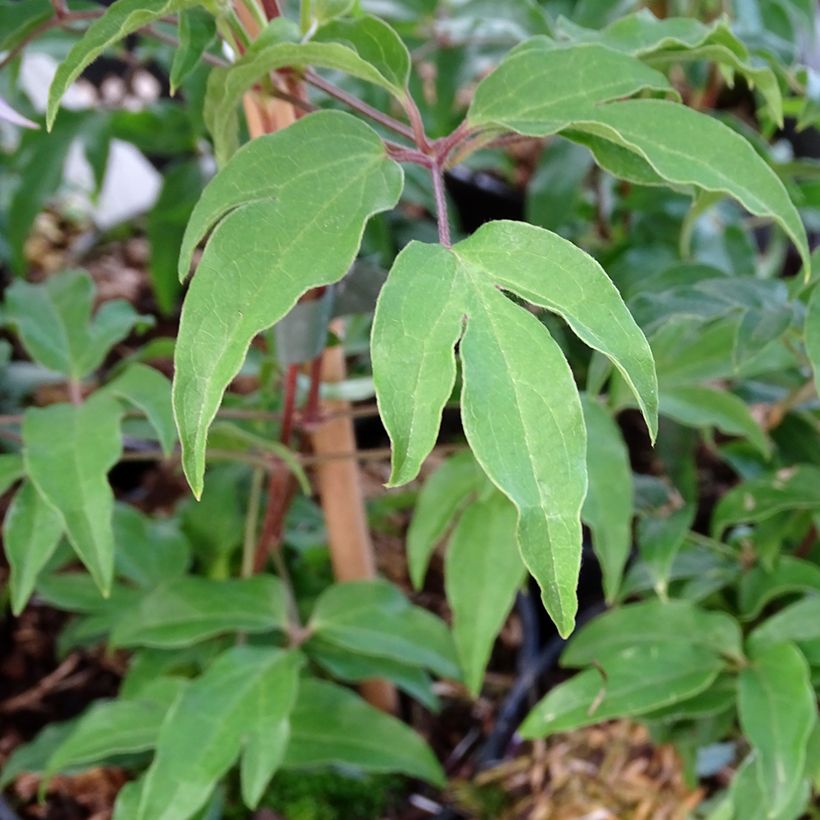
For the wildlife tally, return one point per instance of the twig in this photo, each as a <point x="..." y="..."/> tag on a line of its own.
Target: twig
<point x="32" y="696"/>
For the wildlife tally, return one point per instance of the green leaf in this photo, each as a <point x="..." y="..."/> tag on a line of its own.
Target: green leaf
<point x="375" y="618"/>
<point x="263" y="755"/>
<point x="11" y="470"/>
<point x="31" y="531"/>
<point x="185" y="610"/>
<point x="759" y="586"/>
<point x="120" y="19"/>
<point x="18" y="20"/>
<point x="811" y="332"/>
<point x="442" y="496"/>
<point x="716" y="700"/>
<point x="293" y="231"/>
<point x="628" y="683"/>
<point x="686" y="147"/>
<point x="530" y="442"/>
<point x="748" y="801"/>
<point x="608" y="507"/>
<point x="150" y="550"/>
<point x="483" y="571"/>
<point x="777" y="709"/>
<point x="247" y="689"/>
<point x="55" y="325"/>
<point x="660" y="538"/>
<point x="655" y="623"/>
<point x="795" y="488"/>
<point x="359" y="736"/>
<point x="799" y="621"/>
<point x="197" y="30"/>
<point x="149" y="391"/>
<point x="278" y="47"/>
<point x="541" y="87"/>
<point x="70" y="471"/>
<point x="33" y="756"/>
<point x="116" y="727"/>
<point x="706" y="407"/>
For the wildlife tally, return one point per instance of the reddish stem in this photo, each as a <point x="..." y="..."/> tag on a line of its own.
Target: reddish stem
<point x="271" y="8"/>
<point x="441" y="206"/>
<point x="311" y="414"/>
<point x="289" y="404"/>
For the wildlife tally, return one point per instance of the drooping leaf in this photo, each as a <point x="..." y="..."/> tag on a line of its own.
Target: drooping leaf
<point x="359" y="736"/>
<point x="374" y="617"/>
<point x="9" y="114"/>
<point x="530" y="442"/>
<point x="55" y="324"/>
<point x="608" y="507"/>
<point x="279" y="46"/>
<point x="70" y="471"/>
<point x="442" y="496"/>
<point x="777" y="709"/>
<point x="631" y="682"/>
<point x="120" y="19"/>
<point x="686" y="147"/>
<point x="760" y="586"/>
<point x="149" y="391"/>
<point x="483" y="570"/>
<point x="150" y="550"/>
<point x="292" y="232"/>
<point x="541" y="87"/>
<point x="653" y="622"/>
<point x="31" y="531"/>
<point x="186" y="610"/>
<point x="246" y="689"/>
<point x="197" y="29"/>
<point x="116" y="727"/>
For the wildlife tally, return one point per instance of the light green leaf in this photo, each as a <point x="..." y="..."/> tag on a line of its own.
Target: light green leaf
<point x="116" y="727"/>
<point x="541" y="87"/>
<point x="608" y="507"/>
<point x="120" y="19"/>
<point x="716" y="700"/>
<point x="799" y="621"/>
<point x="262" y="756"/>
<point x="11" y="470"/>
<point x="777" y="709"/>
<point x="55" y="324"/>
<point x="811" y="333"/>
<point x="359" y="736"/>
<point x="748" y="801"/>
<point x="483" y="571"/>
<point x="186" y="610"/>
<point x="70" y="471"/>
<point x="278" y="46"/>
<point x="628" y="683"/>
<point x="375" y="618"/>
<point x="31" y="531"/>
<point x="293" y="231"/>
<point x="197" y="29"/>
<point x="150" y="550"/>
<point x="18" y="19"/>
<point x="247" y="689"/>
<point x="759" y="586"/>
<point x="795" y="488"/>
<point x="660" y="538"/>
<point x="530" y="442"/>
<point x="706" y="407"/>
<point x="149" y="391"/>
<point x="686" y="147"/>
<point x="323" y="10"/>
<point x="442" y="496"/>
<point x="33" y="756"/>
<point x="653" y="622"/>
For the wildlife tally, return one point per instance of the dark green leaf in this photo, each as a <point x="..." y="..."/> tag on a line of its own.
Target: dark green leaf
<point x="759" y="586"/>
<point x="197" y="29"/>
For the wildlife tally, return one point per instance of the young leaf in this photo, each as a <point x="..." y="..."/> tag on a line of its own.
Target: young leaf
<point x="197" y="29"/>
<point x="375" y="618"/>
<point x="149" y="391"/>
<point x="120" y="19"/>
<point x="540" y="87"/>
<point x="293" y="231"/>
<point x="706" y="407"/>
<point x="686" y="147"/>
<point x="483" y="570"/>
<point x="442" y="496"/>
<point x="777" y="709"/>
<point x="70" y="471"/>
<point x="608" y="507"/>
<point x="530" y="442"/>
<point x="630" y="682"/>
<point x="279" y="46"/>
<point x="31" y="531"/>
<point x="359" y="736"/>
<point x="246" y="689"/>
<point x="182" y="611"/>
<point x="657" y="623"/>
<point x="56" y="327"/>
